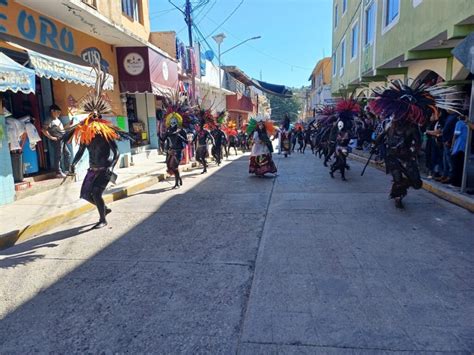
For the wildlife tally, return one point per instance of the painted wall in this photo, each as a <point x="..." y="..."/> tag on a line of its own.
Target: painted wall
<point x="415" y="26"/>
<point x="7" y="187"/>
<point x="165" y="41"/>
<point x="112" y="9"/>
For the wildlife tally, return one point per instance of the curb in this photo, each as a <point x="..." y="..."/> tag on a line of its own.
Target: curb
<point x="30" y="231"/>
<point x="444" y="193"/>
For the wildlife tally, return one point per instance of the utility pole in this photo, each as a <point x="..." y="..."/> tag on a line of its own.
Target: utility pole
<point x="189" y="21"/>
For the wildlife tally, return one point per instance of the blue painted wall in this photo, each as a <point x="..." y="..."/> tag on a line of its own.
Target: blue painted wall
<point x="7" y="186"/>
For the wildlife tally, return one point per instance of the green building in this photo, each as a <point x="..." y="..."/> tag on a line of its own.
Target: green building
<point x="379" y="40"/>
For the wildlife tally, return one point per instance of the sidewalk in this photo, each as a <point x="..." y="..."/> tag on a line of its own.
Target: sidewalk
<point x="447" y="193"/>
<point x="30" y="216"/>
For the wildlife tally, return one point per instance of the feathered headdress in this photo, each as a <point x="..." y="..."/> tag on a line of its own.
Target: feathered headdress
<point x="205" y="117"/>
<point x="176" y="108"/>
<point x="326" y="114"/>
<point x="347" y="109"/>
<point x="95" y="104"/>
<point x="415" y="103"/>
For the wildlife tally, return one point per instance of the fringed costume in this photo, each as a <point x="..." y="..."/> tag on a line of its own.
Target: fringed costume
<point x="175" y="141"/>
<point x="99" y="137"/>
<point x="409" y="107"/>
<point x="346" y="110"/>
<point x="204" y="137"/>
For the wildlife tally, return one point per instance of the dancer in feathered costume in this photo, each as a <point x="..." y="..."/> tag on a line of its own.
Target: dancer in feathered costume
<point x="346" y="111"/>
<point x="261" y="161"/>
<point x="327" y="117"/>
<point x="285" y="137"/>
<point x="99" y="137"/>
<point x="232" y="137"/>
<point x="409" y="107"/>
<point x="175" y="141"/>
<point x="204" y="137"/>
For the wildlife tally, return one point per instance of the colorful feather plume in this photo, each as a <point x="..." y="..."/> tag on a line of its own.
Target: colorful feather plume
<point x="221" y="117"/>
<point x="251" y="125"/>
<point x="347" y="109"/>
<point x="95" y="103"/>
<point x="270" y="128"/>
<point x="415" y="103"/>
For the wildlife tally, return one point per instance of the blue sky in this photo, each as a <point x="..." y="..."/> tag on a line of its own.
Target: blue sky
<point x="295" y="34"/>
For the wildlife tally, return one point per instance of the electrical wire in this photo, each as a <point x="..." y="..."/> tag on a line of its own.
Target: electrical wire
<point x="226" y="19"/>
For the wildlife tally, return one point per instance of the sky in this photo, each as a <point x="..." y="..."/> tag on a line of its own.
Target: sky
<point x="295" y="34"/>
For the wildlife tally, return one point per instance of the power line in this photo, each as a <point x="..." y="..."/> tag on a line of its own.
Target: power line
<point x="227" y="18"/>
<point x="260" y="51"/>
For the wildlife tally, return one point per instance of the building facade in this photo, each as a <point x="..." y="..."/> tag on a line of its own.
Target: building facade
<point x="60" y="41"/>
<point x="378" y="40"/>
<point x="320" y="91"/>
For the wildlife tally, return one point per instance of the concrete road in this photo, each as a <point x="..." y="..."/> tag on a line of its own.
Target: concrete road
<point x="235" y="264"/>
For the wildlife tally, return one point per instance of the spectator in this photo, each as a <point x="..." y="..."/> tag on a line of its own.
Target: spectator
<point x="434" y="148"/>
<point x="458" y="151"/>
<point x="54" y="130"/>
<point x="447" y="139"/>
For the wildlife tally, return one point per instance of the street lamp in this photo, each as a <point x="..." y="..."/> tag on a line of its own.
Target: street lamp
<point x="219" y="38"/>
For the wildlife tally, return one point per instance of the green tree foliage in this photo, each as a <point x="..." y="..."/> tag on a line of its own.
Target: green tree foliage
<point x="280" y="106"/>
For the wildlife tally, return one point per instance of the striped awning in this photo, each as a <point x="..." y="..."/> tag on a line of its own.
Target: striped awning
<point x="15" y="77"/>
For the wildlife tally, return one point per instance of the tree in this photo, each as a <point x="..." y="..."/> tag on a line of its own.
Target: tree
<point x="281" y="106"/>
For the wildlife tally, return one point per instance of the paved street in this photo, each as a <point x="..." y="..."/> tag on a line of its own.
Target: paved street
<point x="235" y="264"/>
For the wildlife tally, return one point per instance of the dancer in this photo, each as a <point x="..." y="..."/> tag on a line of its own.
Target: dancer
<point x="261" y="161"/>
<point x="203" y="138"/>
<point x="409" y="108"/>
<point x="175" y="141"/>
<point x="219" y="139"/>
<point x="346" y="111"/>
<point x="99" y="137"/>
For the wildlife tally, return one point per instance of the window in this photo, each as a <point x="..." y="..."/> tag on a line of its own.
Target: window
<point x="392" y="9"/>
<point x="91" y="3"/>
<point x="355" y="40"/>
<point x="131" y="9"/>
<point x="343" y="56"/>
<point x="334" y="64"/>
<point x="344" y="6"/>
<point x="335" y="16"/>
<point x="369" y="24"/>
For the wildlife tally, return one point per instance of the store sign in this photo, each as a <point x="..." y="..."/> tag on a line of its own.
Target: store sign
<point x="93" y="56"/>
<point x="36" y="28"/>
<point x="134" y="64"/>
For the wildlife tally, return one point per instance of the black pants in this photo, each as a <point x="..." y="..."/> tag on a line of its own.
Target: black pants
<point x="61" y="151"/>
<point x="458" y="166"/>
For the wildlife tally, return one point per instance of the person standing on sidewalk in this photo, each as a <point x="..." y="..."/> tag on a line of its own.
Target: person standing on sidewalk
<point x="54" y="130"/>
<point x="447" y="139"/>
<point x="458" y="151"/>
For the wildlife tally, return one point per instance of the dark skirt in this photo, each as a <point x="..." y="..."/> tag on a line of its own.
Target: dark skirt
<point x="173" y="159"/>
<point x="95" y="179"/>
<point x="201" y="152"/>
<point x="262" y="164"/>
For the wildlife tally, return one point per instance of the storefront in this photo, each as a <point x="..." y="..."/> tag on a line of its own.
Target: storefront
<point x="60" y="59"/>
<point x="146" y="78"/>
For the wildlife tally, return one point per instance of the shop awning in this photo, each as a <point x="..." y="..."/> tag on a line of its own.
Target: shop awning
<point x="58" y="69"/>
<point x="272" y="89"/>
<point x="15" y="77"/>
